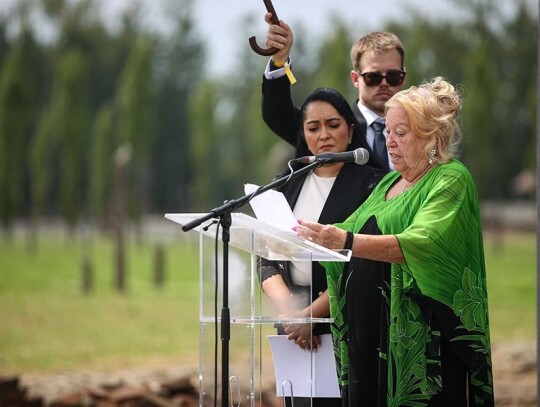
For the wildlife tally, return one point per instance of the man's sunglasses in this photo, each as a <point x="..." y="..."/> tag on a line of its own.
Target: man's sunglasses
<point x="394" y="77"/>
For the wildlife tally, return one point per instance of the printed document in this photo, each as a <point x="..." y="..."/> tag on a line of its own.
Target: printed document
<point x="293" y="367"/>
<point x="272" y="207"/>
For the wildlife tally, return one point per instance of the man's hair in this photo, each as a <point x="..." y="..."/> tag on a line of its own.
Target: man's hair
<point x="378" y="42"/>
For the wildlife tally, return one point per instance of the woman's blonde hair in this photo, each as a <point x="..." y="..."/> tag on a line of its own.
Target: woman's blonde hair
<point x="433" y="109"/>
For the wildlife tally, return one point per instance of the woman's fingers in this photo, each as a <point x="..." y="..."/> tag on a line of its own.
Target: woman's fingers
<point x="301" y="335"/>
<point x="325" y="235"/>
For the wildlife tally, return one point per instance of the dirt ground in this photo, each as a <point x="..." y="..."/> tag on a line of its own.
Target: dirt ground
<point x="515" y="377"/>
<point x="515" y="373"/>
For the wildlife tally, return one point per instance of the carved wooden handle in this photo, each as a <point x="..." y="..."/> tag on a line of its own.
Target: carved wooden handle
<point x="253" y="41"/>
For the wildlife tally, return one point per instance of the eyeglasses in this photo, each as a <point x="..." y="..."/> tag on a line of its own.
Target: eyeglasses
<point x="394" y="77"/>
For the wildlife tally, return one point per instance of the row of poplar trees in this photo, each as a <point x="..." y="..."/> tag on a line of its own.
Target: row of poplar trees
<point x="100" y="120"/>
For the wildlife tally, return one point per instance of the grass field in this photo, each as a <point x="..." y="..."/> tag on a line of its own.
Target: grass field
<point x="47" y="325"/>
<point x="511" y="276"/>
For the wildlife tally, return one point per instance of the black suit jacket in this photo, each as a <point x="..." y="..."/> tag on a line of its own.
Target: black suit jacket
<point x="284" y="119"/>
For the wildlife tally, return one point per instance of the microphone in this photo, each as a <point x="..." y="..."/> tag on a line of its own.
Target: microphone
<point x="359" y="156"/>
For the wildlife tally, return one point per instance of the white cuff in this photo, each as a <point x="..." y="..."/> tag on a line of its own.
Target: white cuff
<point x="276" y="73"/>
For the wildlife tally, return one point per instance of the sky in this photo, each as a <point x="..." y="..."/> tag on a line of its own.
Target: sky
<point x="220" y="22"/>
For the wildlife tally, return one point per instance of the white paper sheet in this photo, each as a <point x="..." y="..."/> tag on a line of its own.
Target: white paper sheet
<point x="292" y="364"/>
<point x="272" y="207"/>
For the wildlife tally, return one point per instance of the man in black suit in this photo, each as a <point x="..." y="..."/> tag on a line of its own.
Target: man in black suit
<point x="378" y="73"/>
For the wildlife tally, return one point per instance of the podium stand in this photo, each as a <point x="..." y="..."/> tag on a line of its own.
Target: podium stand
<point x="250" y="367"/>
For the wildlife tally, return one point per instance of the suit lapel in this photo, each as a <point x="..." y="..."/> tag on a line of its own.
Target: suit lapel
<point x="362" y="126"/>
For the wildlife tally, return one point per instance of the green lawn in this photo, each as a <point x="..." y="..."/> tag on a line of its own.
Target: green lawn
<point x="47" y="325"/>
<point x="511" y="276"/>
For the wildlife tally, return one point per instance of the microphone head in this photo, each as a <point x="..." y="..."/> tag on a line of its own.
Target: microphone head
<point x="361" y="156"/>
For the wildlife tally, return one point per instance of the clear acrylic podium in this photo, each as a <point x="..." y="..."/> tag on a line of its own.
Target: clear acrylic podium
<point x="252" y="318"/>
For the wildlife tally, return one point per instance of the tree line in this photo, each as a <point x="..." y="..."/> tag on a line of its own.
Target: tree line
<point x="99" y="123"/>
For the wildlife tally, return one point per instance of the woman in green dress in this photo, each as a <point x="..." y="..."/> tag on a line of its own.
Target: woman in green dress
<point x="419" y="335"/>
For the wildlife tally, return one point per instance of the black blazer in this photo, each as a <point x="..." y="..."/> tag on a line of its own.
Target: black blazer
<point x="353" y="185"/>
<point x="284" y="119"/>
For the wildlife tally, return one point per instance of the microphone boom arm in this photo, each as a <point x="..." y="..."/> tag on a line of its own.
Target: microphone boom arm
<point x="230" y="206"/>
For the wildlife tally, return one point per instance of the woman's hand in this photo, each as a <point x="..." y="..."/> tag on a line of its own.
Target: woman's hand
<point x="280" y="37"/>
<point x="301" y="333"/>
<point x="302" y="336"/>
<point x="373" y="247"/>
<point x="328" y="236"/>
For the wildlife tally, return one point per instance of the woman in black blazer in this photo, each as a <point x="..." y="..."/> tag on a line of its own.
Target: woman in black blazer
<point x="329" y="194"/>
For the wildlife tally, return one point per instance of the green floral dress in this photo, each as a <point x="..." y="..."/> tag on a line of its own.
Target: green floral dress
<point x="435" y="316"/>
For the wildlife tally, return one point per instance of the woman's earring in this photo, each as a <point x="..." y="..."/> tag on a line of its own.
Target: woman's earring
<point x="432" y="153"/>
<point x="350" y="141"/>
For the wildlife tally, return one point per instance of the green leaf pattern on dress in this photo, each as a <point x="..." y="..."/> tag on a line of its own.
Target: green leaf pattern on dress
<point x="339" y="329"/>
<point x="407" y="382"/>
<point x="471" y="306"/>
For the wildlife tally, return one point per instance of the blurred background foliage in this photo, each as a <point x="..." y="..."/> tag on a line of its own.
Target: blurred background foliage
<point x="92" y="111"/>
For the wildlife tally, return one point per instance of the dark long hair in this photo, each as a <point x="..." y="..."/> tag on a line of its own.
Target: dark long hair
<point x="337" y="100"/>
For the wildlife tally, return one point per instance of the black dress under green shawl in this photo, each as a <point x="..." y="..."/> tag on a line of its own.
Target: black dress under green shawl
<point x="436" y="301"/>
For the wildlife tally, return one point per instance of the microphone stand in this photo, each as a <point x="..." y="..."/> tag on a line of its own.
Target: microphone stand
<point x="224" y="214"/>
